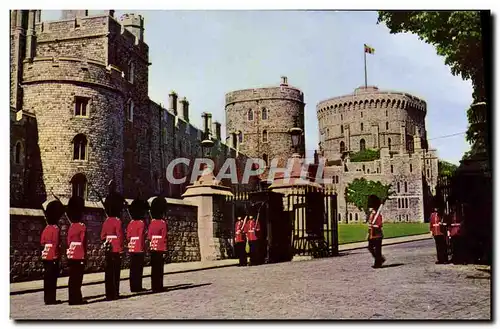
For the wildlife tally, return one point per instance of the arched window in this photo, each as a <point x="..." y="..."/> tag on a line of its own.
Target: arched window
<point x="389" y="143"/>
<point x="406" y="187"/>
<point x="406" y="203"/>
<point x="361" y="116"/>
<point x="129" y="110"/>
<point x="341" y="129"/>
<point x="342" y="147"/>
<point x="392" y="169"/>
<point x="386" y="113"/>
<point x="18" y="153"/>
<point x="399" y="203"/>
<point x="387" y="126"/>
<point x="264" y="136"/>
<point x="130" y="75"/>
<point x="363" y="168"/>
<point x="362" y="145"/>
<point x="80" y="147"/>
<point x="341" y="117"/>
<point x="399" y="190"/>
<point x="240" y="137"/>
<point x="361" y="126"/>
<point x="350" y="217"/>
<point x="265" y="158"/>
<point x="411" y="168"/>
<point x="79" y="185"/>
<point x="356" y="217"/>
<point x="264" y="114"/>
<point x="337" y="179"/>
<point x="250" y="115"/>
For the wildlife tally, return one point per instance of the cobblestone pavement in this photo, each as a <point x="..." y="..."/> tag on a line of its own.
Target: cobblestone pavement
<point x="410" y="286"/>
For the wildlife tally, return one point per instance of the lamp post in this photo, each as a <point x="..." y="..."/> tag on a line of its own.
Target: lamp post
<point x="295" y="134"/>
<point x="207" y="143"/>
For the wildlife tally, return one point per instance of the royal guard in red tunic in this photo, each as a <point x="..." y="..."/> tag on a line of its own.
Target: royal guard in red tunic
<point x="112" y="236"/>
<point x="456" y="237"/>
<point x="135" y="237"/>
<point x="252" y="230"/>
<point x="50" y="254"/>
<point x="77" y="246"/>
<point x="375" y="234"/>
<point x="157" y="235"/>
<point x="240" y="241"/>
<point x="436" y="228"/>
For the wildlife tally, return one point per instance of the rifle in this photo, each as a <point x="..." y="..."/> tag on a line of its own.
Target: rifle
<point x="65" y="214"/>
<point x="100" y="199"/>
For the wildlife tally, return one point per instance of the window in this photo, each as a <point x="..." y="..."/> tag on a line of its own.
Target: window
<point x="80" y="147"/>
<point x="399" y="190"/>
<point x="386" y="114"/>
<point x="240" y="137"/>
<point x="129" y="110"/>
<point x="392" y="169"/>
<point x="406" y="187"/>
<point x="341" y="117"/>
<point x="361" y="125"/>
<point x="399" y="203"/>
<point x="361" y="116"/>
<point x="356" y="217"/>
<point x="18" y="153"/>
<point x="342" y="147"/>
<point x="350" y="217"/>
<point x="389" y="143"/>
<point x="368" y="171"/>
<point x="79" y="185"/>
<point x="340" y="217"/>
<point x="363" y="168"/>
<point x="341" y="129"/>
<point x="264" y="157"/>
<point x="362" y="145"/>
<point x="81" y="104"/>
<point x="264" y="114"/>
<point x="250" y="115"/>
<point x="130" y="72"/>
<point x="336" y="179"/>
<point x="428" y="173"/>
<point x="406" y="203"/>
<point x="411" y="168"/>
<point x="387" y="126"/>
<point x="264" y="136"/>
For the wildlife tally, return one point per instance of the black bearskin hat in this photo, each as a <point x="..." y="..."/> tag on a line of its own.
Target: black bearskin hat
<point x="76" y="205"/>
<point x="158" y="207"/>
<point x="373" y="201"/>
<point x="55" y="209"/>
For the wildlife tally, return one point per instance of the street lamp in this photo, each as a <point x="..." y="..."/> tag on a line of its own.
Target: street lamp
<point x="295" y="134"/>
<point x="207" y="143"/>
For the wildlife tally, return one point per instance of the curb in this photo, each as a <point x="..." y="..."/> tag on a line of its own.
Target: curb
<point x="416" y="238"/>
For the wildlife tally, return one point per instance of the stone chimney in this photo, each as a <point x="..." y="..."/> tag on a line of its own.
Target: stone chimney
<point x="68" y="14"/>
<point x="216" y="130"/>
<point x="172" y="102"/>
<point x="184" y="110"/>
<point x="284" y="81"/>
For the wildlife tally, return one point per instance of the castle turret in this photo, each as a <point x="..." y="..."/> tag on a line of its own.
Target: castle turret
<point x="135" y="24"/>
<point x="68" y="14"/>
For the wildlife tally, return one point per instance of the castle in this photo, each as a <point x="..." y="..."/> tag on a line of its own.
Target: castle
<point x="81" y="116"/>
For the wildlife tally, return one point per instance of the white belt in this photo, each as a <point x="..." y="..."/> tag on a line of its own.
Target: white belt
<point x="251" y="231"/>
<point x="48" y="245"/>
<point x="75" y="244"/>
<point x="134" y="238"/>
<point x="156" y="237"/>
<point x="455" y="224"/>
<point x="111" y="237"/>
<point x="435" y="224"/>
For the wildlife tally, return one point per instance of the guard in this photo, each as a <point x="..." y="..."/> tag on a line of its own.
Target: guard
<point x="440" y="238"/>
<point x="112" y="236"/>
<point x="135" y="236"/>
<point x="77" y="246"/>
<point x="157" y="235"/>
<point x="375" y="234"/>
<point x="252" y="230"/>
<point x="240" y="241"/>
<point x="50" y="254"/>
<point x="456" y="237"/>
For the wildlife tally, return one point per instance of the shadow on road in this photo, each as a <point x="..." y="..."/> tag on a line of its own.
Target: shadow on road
<point x="392" y="265"/>
<point x="98" y="298"/>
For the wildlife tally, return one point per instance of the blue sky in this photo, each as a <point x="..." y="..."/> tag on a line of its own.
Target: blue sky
<point x="204" y="54"/>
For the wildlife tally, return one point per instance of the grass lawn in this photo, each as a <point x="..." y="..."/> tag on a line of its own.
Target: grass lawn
<point x="357" y="232"/>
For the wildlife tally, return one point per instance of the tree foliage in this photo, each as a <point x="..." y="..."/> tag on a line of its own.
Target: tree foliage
<point x="446" y="169"/>
<point x="456" y="36"/>
<point x="358" y="190"/>
<point x="365" y="155"/>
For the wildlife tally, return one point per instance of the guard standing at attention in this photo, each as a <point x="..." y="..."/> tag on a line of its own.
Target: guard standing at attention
<point x="112" y="236"/>
<point x="50" y="254"/>
<point x="135" y="236"/>
<point x="157" y="235"/>
<point x="456" y="236"/>
<point x="252" y="229"/>
<point x="375" y="234"/>
<point x="240" y="241"/>
<point x="436" y="229"/>
<point x="77" y="246"/>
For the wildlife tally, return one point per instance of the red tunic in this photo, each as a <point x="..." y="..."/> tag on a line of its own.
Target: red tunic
<point x="157" y="234"/>
<point x="135" y="236"/>
<point x="375" y="226"/>
<point x="112" y="231"/>
<point x="455" y="226"/>
<point x="50" y="241"/>
<point x="76" y="241"/>
<point x="251" y="228"/>
<point x="435" y="224"/>
<point x="238" y="231"/>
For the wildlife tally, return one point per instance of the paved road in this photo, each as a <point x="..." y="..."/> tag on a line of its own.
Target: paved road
<point x="410" y="286"/>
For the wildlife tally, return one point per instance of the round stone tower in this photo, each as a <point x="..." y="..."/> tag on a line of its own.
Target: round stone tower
<point x="261" y="119"/>
<point x="370" y="118"/>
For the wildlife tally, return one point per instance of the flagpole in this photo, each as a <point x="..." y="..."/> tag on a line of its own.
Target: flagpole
<point x="364" y="52"/>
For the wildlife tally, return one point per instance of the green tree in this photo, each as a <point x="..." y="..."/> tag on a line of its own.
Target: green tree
<point x="457" y="36"/>
<point x="360" y="188"/>
<point x="446" y="169"/>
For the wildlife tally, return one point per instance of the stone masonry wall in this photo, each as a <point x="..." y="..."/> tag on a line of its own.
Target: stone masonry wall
<point x="26" y="226"/>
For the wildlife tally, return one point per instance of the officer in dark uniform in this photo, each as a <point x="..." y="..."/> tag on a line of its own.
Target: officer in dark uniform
<point x="135" y="236"/>
<point x="112" y="236"/>
<point x="77" y="247"/>
<point x="50" y="254"/>
<point x="157" y="235"/>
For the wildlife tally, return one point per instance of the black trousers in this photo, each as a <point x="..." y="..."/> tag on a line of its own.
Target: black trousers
<point x="241" y="253"/>
<point x="441" y="248"/>
<point x="50" y="274"/>
<point x="136" y="271"/>
<point x="254" y="252"/>
<point x="375" y="248"/>
<point x="157" y="271"/>
<point x="76" y="268"/>
<point x="457" y="251"/>
<point x="112" y="275"/>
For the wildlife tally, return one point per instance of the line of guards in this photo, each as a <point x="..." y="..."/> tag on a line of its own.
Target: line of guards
<point x="448" y="233"/>
<point x="112" y="237"/>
